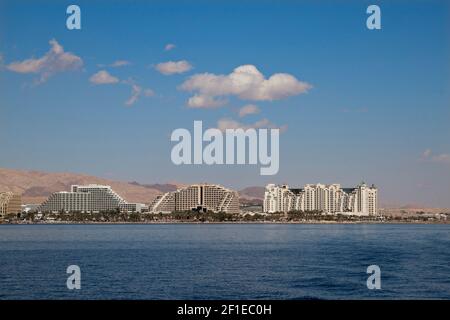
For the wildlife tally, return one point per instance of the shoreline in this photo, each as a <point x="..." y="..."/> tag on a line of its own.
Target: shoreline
<point x="228" y="222"/>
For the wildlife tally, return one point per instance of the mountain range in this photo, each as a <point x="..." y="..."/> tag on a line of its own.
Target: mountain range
<point x="36" y="186"/>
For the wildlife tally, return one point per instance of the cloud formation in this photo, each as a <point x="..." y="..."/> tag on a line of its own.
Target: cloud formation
<point x="169" y="47"/>
<point x="199" y="101"/>
<point x="54" y="61"/>
<point x="136" y="93"/>
<point x="116" y="64"/>
<point x="245" y="82"/>
<point x="227" y="123"/>
<point x="103" y="77"/>
<point x="248" y="109"/>
<point x="120" y="63"/>
<point x="173" y="67"/>
<point x="438" y="158"/>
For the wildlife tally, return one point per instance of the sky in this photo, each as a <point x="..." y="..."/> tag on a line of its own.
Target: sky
<point x="353" y="104"/>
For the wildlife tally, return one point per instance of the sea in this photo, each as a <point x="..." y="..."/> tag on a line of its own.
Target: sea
<point x="225" y="261"/>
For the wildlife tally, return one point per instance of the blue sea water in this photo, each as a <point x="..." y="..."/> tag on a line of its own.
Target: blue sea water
<point x="225" y="261"/>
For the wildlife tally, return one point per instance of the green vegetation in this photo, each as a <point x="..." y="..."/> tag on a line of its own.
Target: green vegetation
<point x="116" y="216"/>
<point x="195" y="216"/>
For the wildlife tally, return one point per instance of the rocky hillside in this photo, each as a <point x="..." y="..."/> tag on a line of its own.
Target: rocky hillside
<point x="36" y="186"/>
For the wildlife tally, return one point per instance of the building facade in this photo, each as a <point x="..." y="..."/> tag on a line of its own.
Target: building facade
<point x="133" y="207"/>
<point x="10" y="203"/>
<point x="199" y="197"/>
<point x="87" y="198"/>
<point x="330" y="198"/>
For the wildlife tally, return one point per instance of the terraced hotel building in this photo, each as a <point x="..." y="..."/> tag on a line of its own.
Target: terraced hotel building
<point x="88" y="198"/>
<point x="198" y="197"/>
<point x="361" y="200"/>
<point x="10" y="203"/>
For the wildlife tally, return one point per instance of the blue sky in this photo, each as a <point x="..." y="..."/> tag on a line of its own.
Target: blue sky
<point x="378" y="109"/>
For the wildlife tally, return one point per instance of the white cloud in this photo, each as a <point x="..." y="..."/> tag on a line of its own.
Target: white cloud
<point x="227" y="123"/>
<point x="173" y="67"/>
<point x="169" y="47"/>
<point x="115" y="64"/>
<point x="442" y="158"/>
<point x="120" y="63"/>
<point x="54" y="61"/>
<point x="245" y="82"/>
<point x="103" y="77"/>
<point x="438" y="158"/>
<point x="426" y="153"/>
<point x="205" y="102"/>
<point x="136" y="92"/>
<point x="248" y="109"/>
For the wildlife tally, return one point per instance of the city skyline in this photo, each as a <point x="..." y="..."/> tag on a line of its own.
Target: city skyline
<point x="362" y="199"/>
<point x="204" y="197"/>
<point x="356" y="104"/>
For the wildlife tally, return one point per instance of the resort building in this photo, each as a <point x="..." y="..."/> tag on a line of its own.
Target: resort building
<point x="10" y="203"/>
<point x="164" y="203"/>
<point x="88" y="198"/>
<point x="197" y="197"/>
<point x="361" y="200"/>
<point x="133" y="207"/>
<point x="26" y="208"/>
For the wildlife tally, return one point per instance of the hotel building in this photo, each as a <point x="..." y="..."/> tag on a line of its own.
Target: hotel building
<point x="198" y="197"/>
<point x="361" y="200"/>
<point x="88" y="198"/>
<point x="10" y="203"/>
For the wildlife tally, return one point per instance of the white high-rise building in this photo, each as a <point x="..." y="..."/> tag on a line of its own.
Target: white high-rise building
<point x="10" y="203"/>
<point x="200" y="197"/>
<point x="323" y="198"/>
<point x="87" y="198"/>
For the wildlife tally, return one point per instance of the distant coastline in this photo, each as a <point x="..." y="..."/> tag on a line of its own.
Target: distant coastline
<point x="223" y="222"/>
<point x="261" y="205"/>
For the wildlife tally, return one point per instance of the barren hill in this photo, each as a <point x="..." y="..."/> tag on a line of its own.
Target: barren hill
<point x="36" y="186"/>
<point x="252" y="193"/>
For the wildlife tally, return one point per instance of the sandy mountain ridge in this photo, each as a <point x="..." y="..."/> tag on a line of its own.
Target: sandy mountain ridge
<point x="36" y="186"/>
